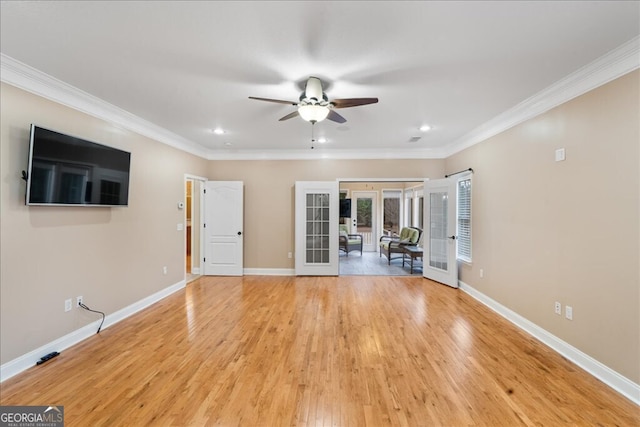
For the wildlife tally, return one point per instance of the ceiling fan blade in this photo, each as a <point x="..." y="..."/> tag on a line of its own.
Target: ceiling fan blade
<point x="279" y="101"/>
<point x="289" y="116"/>
<point x="352" y="102"/>
<point x="335" y="117"/>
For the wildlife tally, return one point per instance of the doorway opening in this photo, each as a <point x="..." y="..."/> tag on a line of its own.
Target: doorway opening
<point x="193" y="214"/>
<point x="379" y="207"/>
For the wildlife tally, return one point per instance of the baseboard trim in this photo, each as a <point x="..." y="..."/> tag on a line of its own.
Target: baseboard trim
<point x="28" y="360"/>
<point x="269" y="272"/>
<point x="613" y="379"/>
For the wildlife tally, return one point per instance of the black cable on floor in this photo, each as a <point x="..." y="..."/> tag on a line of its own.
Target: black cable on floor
<point x="94" y="311"/>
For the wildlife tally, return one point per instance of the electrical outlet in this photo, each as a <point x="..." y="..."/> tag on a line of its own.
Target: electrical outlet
<point x="558" y="307"/>
<point x="481" y="273"/>
<point x="78" y="301"/>
<point x="568" y="312"/>
<point x="289" y="255"/>
<point x="67" y="305"/>
<point x="164" y="270"/>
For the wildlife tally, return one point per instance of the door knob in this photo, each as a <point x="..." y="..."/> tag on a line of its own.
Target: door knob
<point x="452" y="237"/>
<point x="239" y="233"/>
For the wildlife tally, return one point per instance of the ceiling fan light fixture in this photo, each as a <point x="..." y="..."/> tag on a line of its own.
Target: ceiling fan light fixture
<point x="313" y="113"/>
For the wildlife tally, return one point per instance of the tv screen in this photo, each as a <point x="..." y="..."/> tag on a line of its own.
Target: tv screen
<point x="345" y="208"/>
<point x="68" y="171"/>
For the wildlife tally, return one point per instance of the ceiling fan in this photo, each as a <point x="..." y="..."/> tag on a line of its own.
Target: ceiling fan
<point x="314" y="106"/>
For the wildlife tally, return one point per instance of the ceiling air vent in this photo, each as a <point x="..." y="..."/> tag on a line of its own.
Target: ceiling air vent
<point x="414" y="138"/>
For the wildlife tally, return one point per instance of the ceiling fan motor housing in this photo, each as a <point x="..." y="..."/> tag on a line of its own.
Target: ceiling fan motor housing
<point x="313" y="90"/>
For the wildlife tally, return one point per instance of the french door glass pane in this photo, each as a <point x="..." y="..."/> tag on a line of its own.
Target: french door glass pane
<point x="365" y="212"/>
<point x="364" y="219"/>
<point x="438" y="231"/>
<point x="317" y="249"/>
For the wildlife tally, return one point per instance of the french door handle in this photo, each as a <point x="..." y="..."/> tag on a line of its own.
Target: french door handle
<point x="452" y="237"/>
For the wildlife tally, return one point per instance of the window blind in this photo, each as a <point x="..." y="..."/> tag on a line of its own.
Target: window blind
<point x="464" y="220"/>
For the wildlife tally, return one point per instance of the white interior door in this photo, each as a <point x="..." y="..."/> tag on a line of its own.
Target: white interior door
<point x="364" y="206"/>
<point x="316" y="226"/>
<point x="440" y="206"/>
<point x="223" y="228"/>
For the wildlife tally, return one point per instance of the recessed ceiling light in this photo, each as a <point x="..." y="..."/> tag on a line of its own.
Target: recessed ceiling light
<point x="218" y="131"/>
<point x="425" y="128"/>
<point x="322" y="140"/>
<point x="228" y="144"/>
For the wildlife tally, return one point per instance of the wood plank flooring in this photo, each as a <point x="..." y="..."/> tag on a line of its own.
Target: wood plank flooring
<point x="339" y="351"/>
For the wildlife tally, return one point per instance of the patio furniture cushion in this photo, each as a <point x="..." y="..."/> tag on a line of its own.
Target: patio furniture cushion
<point x="394" y="244"/>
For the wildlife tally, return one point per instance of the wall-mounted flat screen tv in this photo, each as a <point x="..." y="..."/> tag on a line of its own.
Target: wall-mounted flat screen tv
<point x="345" y="208"/>
<point x="68" y="171"/>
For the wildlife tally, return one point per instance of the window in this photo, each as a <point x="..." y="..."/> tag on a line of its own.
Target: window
<point x="391" y="212"/>
<point x="408" y="208"/>
<point x="464" y="219"/>
<point x="420" y="219"/>
<point x="414" y="207"/>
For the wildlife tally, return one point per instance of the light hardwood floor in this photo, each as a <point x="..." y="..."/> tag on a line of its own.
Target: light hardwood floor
<point x="343" y="351"/>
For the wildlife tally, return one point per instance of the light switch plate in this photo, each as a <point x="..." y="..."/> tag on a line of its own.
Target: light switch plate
<point x="560" y="155"/>
<point x="568" y="312"/>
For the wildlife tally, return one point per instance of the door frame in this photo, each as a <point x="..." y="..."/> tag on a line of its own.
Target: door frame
<point x="201" y="180"/>
<point x="384" y="180"/>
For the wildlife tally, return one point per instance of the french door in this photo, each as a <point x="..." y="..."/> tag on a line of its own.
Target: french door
<point x="316" y="228"/>
<point x="224" y="217"/>
<point x="364" y="218"/>
<point x="440" y="206"/>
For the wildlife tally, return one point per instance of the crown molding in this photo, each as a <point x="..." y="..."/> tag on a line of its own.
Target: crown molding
<point x="608" y="67"/>
<point x="25" y="77"/>
<point x="616" y="63"/>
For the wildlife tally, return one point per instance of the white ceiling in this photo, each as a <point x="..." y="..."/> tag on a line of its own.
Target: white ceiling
<point x="189" y="67"/>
